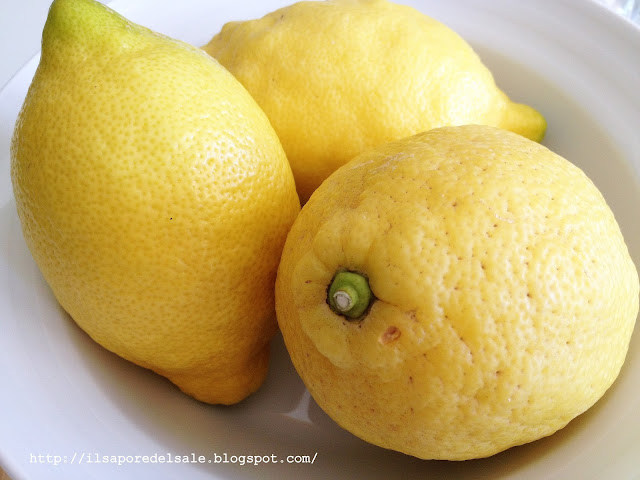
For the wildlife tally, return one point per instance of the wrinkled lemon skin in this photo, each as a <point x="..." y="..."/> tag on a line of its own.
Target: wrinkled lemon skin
<point x="339" y="77"/>
<point x="505" y="296"/>
<point x="155" y="198"/>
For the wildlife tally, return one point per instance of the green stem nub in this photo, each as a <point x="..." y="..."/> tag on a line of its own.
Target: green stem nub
<point x="349" y="294"/>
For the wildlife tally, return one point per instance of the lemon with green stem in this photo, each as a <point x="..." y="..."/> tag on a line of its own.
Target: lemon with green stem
<point x="456" y="293"/>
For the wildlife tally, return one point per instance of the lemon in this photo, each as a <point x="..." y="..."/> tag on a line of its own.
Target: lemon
<point x="155" y="198"/>
<point x="338" y="77"/>
<point x="456" y="293"/>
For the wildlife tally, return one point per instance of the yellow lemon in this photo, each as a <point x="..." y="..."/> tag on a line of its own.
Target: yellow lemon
<point x="456" y="293"/>
<point x="155" y="198"/>
<point x="338" y="77"/>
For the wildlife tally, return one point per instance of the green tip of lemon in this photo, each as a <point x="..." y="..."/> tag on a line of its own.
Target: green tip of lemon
<point x="83" y="24"/>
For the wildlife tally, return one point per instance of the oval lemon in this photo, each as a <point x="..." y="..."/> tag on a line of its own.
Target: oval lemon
<point x="155" y="198"/>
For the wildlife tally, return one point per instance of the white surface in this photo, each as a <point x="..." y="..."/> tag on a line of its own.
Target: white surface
<point x="63" y="395"/>
<point x="20" y="29"/>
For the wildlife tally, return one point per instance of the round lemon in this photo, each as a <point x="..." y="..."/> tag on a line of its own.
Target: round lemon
<point x="338" y="77"/>
<point x="155" y="198"/>
<point x="456" y="293"/>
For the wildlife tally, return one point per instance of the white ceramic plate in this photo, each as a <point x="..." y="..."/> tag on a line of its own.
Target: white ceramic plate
<point x="66" y="401"/>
